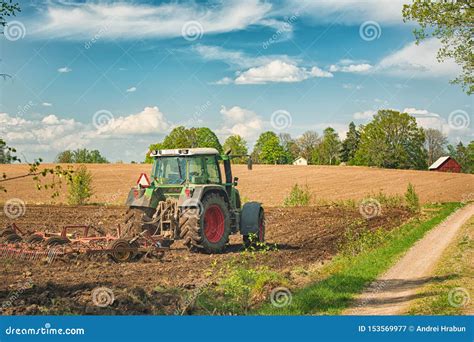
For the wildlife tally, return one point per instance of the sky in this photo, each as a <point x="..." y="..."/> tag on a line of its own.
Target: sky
<point x="118" y="76"/>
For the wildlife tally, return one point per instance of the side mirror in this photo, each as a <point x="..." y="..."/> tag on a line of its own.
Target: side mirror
<point x="236" y="180"/>
<point x="249" y="164"/>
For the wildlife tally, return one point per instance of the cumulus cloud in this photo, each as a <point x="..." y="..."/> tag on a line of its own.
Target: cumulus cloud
<point x="368" y="114"/>
<point x="46" y="104"/>
<point x="241" y="121"/>
<point x="276" y="71"/>
<point x="418" y="61"/>
<point x="131" y="89"/>
<point x="355" y="68"/>
<point x="121" y="20"/>
<point x="64" y="69"/>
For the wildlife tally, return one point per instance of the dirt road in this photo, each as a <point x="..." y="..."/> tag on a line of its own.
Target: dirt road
<point x="392" y="293"/>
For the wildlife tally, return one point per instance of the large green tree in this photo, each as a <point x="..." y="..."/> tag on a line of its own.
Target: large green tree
<point x="350" y="144"/>
<point x="290" y="146"/>
<point x="452" y="23"/>
<point x="81" y="156"/>
<point x="238" y="146"/>
<point x="392" y="140"/>
<point x="268" y="150"/>
<point x="464" y="155"/>
<point x="328" y="150"/>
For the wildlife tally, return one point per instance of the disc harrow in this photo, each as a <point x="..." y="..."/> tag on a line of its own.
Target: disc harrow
<point x="77" y="242"/>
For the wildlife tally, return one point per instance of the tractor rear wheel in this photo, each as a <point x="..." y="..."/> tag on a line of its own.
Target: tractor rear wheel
<point x="209" y="229"/>
<point x="135" y="221"/>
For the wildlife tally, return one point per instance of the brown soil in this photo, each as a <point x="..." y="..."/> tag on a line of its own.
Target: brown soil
<point x="269" y="183"/>
<point x="302" y="236"/>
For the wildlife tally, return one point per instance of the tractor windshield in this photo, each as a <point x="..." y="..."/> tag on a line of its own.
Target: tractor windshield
<point x="195" y="169"/>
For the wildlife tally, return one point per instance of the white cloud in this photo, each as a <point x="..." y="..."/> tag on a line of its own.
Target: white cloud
<point x="241" y="121"/>
<point x="352" y="86"/>
<point x="64" y="69"/>
<point x="150" y="120"/>
<point x="417" y="61"/>
<point x="46" y="104"/>
<point x="276" y="71"/>
<point x="427" y="119"/>
<point x="350" y="12"/>
<point x="355" y="68"/>
<point x="131" y="89"/>
<point x="123" y="20"/>
<point x="368" y="114"/>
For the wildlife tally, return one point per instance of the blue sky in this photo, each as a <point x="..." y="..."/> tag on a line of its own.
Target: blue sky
<point x="118" y="76"/>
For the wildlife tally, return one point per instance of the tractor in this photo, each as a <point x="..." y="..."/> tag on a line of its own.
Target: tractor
<point x="187" y="198"/>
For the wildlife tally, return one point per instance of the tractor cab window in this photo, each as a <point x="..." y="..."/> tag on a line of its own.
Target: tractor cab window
<point x="212" y="170"/>
<point x="195" y="171"/>
<point x="170" y="170"/>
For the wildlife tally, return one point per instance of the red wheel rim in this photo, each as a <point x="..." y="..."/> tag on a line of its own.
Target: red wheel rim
<point x="214" y="223"/>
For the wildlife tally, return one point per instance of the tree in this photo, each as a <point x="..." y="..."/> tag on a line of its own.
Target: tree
<point x="179" y="137"/>
<point x="238" y="146"/>
<point x="5" y="153"/>
<point x="80" y="186"/>
<point x="463" y="155"/>
<point x="328" y="150"/>
<point x="292" y="151"/>
<point x="450" y="22"/>
<point x="307" y="143"/>
<point x="268" y="150"/>
<point x="435" y="142"/>
<point x="350" y="144"/>
<point x="392" y="140"/>
<point x="206" y="138"/>
<point x="81" y="156"/>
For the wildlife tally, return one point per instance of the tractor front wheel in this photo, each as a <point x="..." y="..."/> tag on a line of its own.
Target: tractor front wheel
<point x="206" y="228"/>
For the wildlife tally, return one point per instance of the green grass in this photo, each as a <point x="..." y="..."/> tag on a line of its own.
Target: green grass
<point x="455" y="274"/>
<point x="346" y="276"/>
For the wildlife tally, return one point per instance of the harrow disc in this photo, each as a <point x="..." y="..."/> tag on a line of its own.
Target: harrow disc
<point x="11" y="238"/>
<point x="121" y="251"/>
<point x="57" y="241"/>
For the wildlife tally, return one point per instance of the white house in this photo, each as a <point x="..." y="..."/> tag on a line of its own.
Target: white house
<point x="300" y="161"/>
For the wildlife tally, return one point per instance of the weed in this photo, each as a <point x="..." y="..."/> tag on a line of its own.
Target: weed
<point x="411" y="199"/>
<point x="80" y="186"/>
<point x="299" y="196"/>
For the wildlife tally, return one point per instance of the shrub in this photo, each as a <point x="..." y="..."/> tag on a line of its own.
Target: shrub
<point x="80" y="186"/>
<point x="299" y="196"/>
<point x="411" y="199"/>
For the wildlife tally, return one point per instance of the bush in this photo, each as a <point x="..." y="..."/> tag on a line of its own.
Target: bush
<point x="299" y="196"/>
<point x="80" y="186"/>
<point x="411" y="199"/>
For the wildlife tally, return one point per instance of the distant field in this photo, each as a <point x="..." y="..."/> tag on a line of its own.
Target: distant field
<point x="270" y="183"/>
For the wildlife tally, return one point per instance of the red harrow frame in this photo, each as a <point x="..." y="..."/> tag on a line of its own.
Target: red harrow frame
<point x="77" y="240"/>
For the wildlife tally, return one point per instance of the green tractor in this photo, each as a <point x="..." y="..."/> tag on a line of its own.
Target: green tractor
<point x="189" y="199"/>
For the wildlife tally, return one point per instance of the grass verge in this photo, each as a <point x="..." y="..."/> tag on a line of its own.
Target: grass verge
<point x="346" y="275"/>
<point x="452" y="295"/>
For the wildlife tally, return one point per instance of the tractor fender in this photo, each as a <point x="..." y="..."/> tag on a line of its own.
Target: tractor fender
<point x="199" y="193"/>
<point x="249" y="218"/>
<point x="140" y="197"/>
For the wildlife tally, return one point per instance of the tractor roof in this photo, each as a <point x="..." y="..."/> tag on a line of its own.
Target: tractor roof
<point x="183" y="152"/>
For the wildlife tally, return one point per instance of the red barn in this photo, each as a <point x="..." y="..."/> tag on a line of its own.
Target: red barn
<point x="445" y="164"/>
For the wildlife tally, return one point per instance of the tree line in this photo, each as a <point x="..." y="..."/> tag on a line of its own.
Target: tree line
<point x="391" y="140"/>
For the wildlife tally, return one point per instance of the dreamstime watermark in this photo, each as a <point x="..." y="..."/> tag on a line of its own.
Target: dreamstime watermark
<point x="22" y="110"/>
<point x="281" y="119"/>
<point x="199" y="111"/>
<point x="102" y="118"/>
<point x="281" y="297"/>
<point x="102" y="297"/>
<point x="459" y="119"/>
<point x="14" y="31"/>
<point x="14" y="208"/>
<point x="466" y="198"/>
<point x="370" y="208"/>
<point x="458" y="297"/>
<point x="96" y="37"/>
<point x="286" y="27"/>
<point x="370" y="30"/>
<point x="13" y="296"/>
<point x="192" y="30"/>
<point x="46" y="330"/>
<point x="190" y="300"/>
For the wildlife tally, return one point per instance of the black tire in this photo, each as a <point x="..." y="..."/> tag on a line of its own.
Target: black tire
<point x="11" y="238"/>
<point x="260" y="236"/>
<point x="57" y="241"/>
<point x="135" y="222"/>
<point x="35" y="239"/>
<point x="121" y="256"/>
<point x="193" y="226"/>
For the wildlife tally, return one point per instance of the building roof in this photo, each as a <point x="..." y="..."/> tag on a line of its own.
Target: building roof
<point x="183" y="152"/>
<point x="300" y="158"/>
<point x="439" y="162"/>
